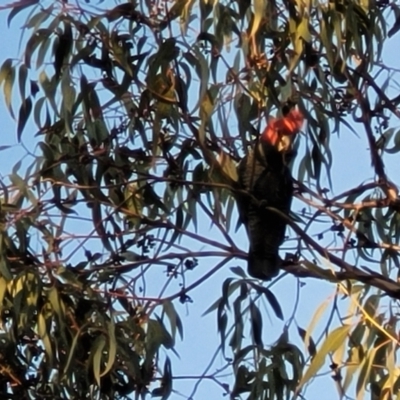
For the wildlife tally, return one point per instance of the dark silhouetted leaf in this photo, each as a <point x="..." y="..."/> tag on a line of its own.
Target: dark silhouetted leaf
<point x="24" y="113"/>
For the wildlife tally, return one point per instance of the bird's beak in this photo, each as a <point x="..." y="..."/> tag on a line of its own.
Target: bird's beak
<point x="284" y="143"/>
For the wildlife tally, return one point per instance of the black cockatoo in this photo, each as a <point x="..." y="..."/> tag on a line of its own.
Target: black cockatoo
<point x="265" y="181"/>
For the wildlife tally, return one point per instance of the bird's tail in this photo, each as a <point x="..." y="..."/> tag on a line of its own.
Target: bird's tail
<point x="263" y="265"/>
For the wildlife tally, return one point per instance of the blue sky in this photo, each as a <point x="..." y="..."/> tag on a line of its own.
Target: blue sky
<point x="350" y="168"/>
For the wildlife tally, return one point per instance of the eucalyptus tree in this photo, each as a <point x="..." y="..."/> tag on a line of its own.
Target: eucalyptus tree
<point x="133" y="117"/>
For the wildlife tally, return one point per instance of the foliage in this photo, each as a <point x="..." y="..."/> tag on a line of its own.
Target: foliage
<point x="142" y="110"/>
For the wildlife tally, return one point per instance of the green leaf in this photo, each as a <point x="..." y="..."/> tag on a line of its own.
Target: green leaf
<point x="310" y="344"/>
<point x="62" y="49"/>
<point x="49" y="88"/>
<point x="178" y="225"/>
<point x="259" y="8"/>
<point x="199" y="63"/>
<point x="239" y="271"/>
<point x="353" y="364"/>
<point x="396" y="26"/>
<point x="226" y="292"/>
<point x="18" y="7"/>
<point x="112" y="347"/>
<point x="22" y="76"/>
<point x="228" y="166"/>
<point x="4" y="263"/>
<point x="314" y="321"/>
<point x="274" y="303"/>
<point x="256" y="324"/>
<point x="36" y="19"/>
<point x="364" y="376"/>
<point x="166" y="382"/>
<point x="177" y="9"/>
<point x="71" y="353"/>
<point x="6" y="70"/>
<point x="222" y="323"/>
<point x="45" y="337"/>
<point x="24" y="113"/>
<point x="42" y="53"/>
<point x="157" y="335"/>
<point x="7" y="77"/>
<point x="213" y="307"/>
<point x="3" y="289"/>
<point x="33" y="43"/>
<point x="134" y="204"/>
<point x="174" y="319"/>
<point x="208" y="103"/>
<point x="332" y="342"/>
<point x="97" y="353"/>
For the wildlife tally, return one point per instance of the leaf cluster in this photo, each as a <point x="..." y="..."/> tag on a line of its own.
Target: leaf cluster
<point x="141" y="112"/>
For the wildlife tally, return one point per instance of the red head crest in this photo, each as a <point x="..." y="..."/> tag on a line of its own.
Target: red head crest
<point x="288" y="125"/>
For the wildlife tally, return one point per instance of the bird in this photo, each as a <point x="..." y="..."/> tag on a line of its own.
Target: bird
<point x="265" y="182"/>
